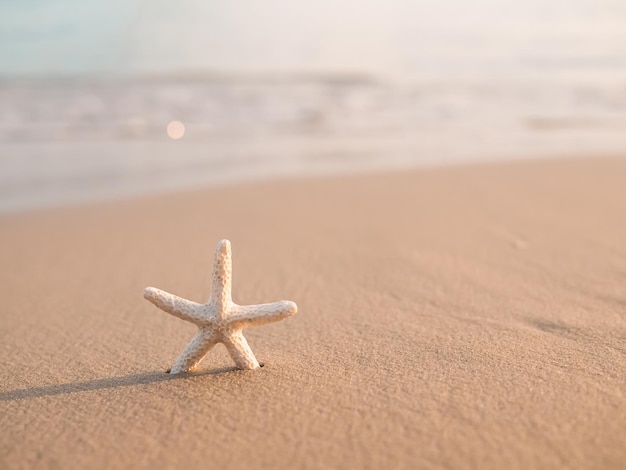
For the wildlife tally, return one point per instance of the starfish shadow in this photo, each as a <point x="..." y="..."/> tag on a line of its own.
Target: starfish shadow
<point x="102" y="384"/>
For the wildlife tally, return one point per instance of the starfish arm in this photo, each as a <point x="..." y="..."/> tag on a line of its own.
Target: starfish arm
<point x="240" y="351"/>
<point x="177" y="306"/>
<point x="195" y="351"/>
<point x="222" y="274"/>
<point x="243" y="316"/>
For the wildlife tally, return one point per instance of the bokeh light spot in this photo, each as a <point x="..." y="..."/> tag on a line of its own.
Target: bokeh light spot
<point x="175" y="130"/>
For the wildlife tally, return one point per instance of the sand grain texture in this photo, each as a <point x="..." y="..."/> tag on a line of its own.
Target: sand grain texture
<point x="449" y="318"/>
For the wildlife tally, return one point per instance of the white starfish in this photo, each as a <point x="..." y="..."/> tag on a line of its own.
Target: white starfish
<point x="219" y="320"/>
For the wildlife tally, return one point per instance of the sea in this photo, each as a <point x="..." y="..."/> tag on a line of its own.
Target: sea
<point x="279" y="89"/>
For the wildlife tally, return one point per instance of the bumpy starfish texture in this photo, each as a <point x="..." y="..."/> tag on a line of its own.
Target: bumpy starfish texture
<point x="219" y="320"/>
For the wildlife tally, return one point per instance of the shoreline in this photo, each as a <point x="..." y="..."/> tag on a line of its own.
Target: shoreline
<point x="23" y="197"/>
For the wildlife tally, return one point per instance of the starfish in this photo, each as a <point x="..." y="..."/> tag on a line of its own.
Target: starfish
<point x="219" y="320"/>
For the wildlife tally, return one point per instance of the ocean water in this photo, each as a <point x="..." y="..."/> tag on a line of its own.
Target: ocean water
<point x="269" y="89"/>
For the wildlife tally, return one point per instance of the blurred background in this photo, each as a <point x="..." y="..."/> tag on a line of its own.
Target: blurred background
<point x="112" y="98"/>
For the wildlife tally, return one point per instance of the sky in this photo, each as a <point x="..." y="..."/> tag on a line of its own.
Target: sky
<point x="45" y="38"/>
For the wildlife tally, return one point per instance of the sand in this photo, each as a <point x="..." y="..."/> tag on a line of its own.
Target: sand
<point x="467" y="317"/>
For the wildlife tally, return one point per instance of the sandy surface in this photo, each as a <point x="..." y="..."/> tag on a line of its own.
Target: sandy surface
<point x="450" y="318"/>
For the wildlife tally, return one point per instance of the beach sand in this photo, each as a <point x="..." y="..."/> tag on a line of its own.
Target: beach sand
<point x="461" y="317"/>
